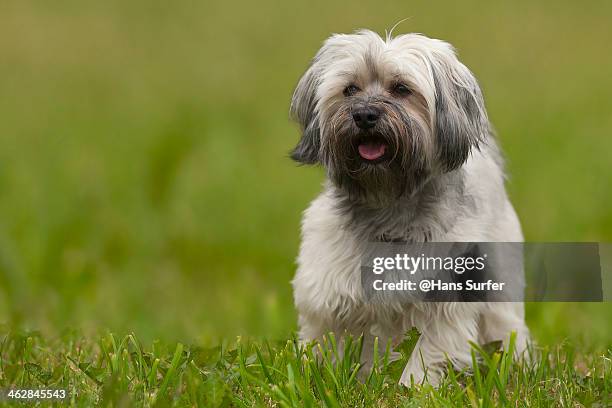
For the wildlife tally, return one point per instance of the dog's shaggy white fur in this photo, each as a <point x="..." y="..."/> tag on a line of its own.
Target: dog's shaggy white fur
<point x="443" y="182"/>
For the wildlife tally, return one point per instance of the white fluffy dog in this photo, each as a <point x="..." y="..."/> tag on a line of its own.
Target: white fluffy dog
<point x="401" y="128"/>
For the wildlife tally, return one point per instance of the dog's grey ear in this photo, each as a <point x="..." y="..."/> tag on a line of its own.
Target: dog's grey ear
<point x="303" y="111"/>
<point x="461" y="121"/>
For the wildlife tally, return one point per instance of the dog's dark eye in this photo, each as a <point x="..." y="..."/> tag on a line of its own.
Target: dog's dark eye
<point x="350" y="90"/>
<point x="401" y="90"/>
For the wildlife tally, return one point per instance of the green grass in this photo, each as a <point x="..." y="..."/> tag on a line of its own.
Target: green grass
<point x="120" y="371"/>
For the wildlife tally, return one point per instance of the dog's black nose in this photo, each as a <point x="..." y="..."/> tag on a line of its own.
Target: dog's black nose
<point x="365" y="118"/>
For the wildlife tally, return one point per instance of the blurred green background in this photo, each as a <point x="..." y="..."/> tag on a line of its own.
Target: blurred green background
<point x="144" y="178"/>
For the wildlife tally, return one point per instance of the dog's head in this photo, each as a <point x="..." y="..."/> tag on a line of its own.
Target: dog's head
<point x="380" y="115"/>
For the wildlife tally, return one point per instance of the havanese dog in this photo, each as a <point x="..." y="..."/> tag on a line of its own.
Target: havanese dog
<point x="400" y="126"/>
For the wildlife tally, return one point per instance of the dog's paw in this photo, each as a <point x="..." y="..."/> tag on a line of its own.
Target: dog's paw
<point x="414" y="374"/>
<point x="409" y="378"/>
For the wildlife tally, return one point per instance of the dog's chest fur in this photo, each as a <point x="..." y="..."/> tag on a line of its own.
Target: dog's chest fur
<point x="426" y="214"/>
<point x="337" y="231"/>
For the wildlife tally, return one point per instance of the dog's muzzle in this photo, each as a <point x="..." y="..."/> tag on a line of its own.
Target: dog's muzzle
<point x="370" y="146"/>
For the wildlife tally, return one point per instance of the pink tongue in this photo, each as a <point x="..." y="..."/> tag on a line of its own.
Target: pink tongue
<point x="371" y="150"/>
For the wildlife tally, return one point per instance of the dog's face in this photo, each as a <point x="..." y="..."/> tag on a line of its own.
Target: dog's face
<point x="381" y="115"/>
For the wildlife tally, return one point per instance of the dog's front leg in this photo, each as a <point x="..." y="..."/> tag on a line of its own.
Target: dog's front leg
<point x="312" y="327"/>
<point x="499" y="320"/>
<point x="439" y="343"/>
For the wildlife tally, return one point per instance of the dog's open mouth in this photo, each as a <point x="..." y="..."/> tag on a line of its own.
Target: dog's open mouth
<point x="372" y="149"/>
